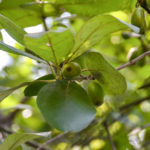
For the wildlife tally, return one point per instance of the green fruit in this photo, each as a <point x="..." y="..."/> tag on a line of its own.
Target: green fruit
<point x="95" y="92"/>
<point x="138" y="19"/>
<point x="71" y="70"/>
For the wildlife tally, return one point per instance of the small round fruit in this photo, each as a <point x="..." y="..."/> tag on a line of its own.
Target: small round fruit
<point x="138" y="19"/>
<point x="95" y="92"/>
<point x="71" y="70"/>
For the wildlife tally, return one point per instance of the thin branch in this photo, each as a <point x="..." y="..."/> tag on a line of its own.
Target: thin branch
<point x="134" y="103"/>
<point x="133" y="61"/>
<point x="109" y="136"/>
<point x="58" y="137"/>
<point x="29" y="143"/>
<point x="51" y="68"/>
<point x="145" y="86"/>
<point x="13" y="114"/>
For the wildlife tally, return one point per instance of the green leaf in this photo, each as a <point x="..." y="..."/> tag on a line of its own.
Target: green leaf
<point x="10" y="49"/>
<point x="14" y="140"/>
<point x="91" y="8"/>
<point x="67" y="110"/>
<point x="110" y="79"/>
<point x="15" y="31"/>
<point x="5" y="4"/>
<point x="61" y="43"/>
<point x="95" y="30"/>
<point x="5" y="93"/>
<point x="19" y="15"/>
<point x="33" y="88"/>
<point x="22" y="17"/>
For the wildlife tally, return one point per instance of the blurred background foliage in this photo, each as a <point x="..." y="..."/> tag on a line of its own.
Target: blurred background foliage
<point x="129" y="128"/>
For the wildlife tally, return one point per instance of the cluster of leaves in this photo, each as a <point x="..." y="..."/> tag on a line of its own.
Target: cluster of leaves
<point x="98" y="36"/>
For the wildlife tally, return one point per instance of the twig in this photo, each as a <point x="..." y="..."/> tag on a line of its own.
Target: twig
<point x="109" y="136"/>
<point x="133" y="61"/>
<point x="58" y="137"/>
<point x="145" y="86"/>
<point x="12" y="115"/>
<point x="134" y="103"/>
<point x="29" y="143"/>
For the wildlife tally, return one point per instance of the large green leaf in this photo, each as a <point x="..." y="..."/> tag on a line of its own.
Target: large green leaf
<point x="15" y="31"/>
<point x="10" y="49"/>
<point x="110" y="79"/>
<point x="95" y="30"/>
<point x="61" y="43"/>
<point x="65" y="106"/>
<point x="14" y="140"/>
<point x="93" y="7"/>
<point x="33" y="88"/>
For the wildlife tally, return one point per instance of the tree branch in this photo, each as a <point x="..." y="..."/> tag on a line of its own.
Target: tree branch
<point x="58" y="137"/>
<point x="134" y="103"/>
<point x="109" y="136"/>
<point x="133" y="61"/>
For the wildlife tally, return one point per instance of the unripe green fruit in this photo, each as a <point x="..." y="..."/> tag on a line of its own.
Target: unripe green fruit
<point x="95" y="92"/>
<point x="71" y="70"/>
<point x="138" y="19"/>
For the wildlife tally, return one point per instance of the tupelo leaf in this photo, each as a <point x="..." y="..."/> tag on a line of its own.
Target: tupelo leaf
<point x="10" y="49"/>
<point x="70" y="109"/>
<point x="95" y="30"/>
<point x="15" y="31"/>
<point x="110" y="79"/>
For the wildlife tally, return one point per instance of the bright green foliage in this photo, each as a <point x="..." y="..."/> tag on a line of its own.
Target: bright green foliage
<point x="71" y="106"/>
<point x="59" y="44"/>
<point x="77" y="45"/>
<point x="93" y="31"/>
<point x="110" y="79"/>
<point x="71" y="70"/>
<point x="13" y="50"/>
<point x="15" y="31"/>
<point x="91" y="8"/>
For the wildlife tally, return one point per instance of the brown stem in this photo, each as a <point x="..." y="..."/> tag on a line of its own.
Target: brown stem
<point x="133" y="61"/>
<point x="109" y="136"/>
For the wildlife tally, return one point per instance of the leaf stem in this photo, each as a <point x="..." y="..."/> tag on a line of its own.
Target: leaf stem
<point x="51" y="68"/>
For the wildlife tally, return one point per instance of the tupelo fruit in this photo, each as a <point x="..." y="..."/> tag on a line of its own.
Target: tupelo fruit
<point x="71" y="70"/>
<point x="138" y="19"/>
